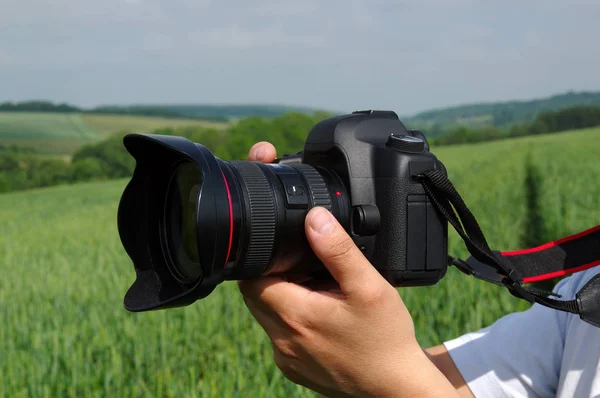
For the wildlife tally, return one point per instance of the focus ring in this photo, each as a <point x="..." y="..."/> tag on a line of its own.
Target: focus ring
<point x="261" y="204"/>
<point x="317" y="187"/>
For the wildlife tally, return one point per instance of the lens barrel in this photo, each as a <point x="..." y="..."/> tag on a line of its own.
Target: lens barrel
<point x="189" y="220"/>
<point x="274" y="200"/>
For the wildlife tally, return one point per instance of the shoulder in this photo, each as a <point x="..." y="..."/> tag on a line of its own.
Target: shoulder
<point x="569" y="286"/>
<point x="523" y="353"/>
<point x="580" y="363"/>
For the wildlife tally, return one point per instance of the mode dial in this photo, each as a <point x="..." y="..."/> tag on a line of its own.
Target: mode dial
<point x="405" y="143"/>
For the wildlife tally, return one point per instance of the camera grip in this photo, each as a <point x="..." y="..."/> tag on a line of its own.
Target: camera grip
<point x="411" y="247"/>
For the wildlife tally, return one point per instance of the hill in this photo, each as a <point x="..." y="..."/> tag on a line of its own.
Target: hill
<point x="206" y="112"/>
<point x="67" y="334"/>
<point x="499" y="114"/>
<point x="61" y="128"/>
<point x="217" y="112"/>
<point x="64" y="133"/>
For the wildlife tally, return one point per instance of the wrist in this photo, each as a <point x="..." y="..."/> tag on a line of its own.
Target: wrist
<point x="414" y="375"/>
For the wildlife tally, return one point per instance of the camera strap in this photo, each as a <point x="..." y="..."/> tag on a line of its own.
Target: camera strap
<point x="514" y="269"/>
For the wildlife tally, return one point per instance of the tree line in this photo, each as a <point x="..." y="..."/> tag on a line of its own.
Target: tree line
<point x="546" y="122"/>
<point x="38" y="106"/>
<point x="24" y="169"/>
<point x="47" y="106"/>
<point x="153" y="112"/>
<point x="500" y="114"/>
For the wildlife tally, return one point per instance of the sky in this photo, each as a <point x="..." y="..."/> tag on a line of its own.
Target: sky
<point x="339" y="55"/>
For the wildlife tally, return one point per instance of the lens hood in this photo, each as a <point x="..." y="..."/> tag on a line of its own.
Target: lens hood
<point x="142" y="222"/>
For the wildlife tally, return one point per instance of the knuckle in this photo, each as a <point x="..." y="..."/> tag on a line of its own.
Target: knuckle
<point x="377" y="295"/>
<point x="286" y="365"/>
<point x="299" y="326"/>
<point x="341" y="249"/>
<point x="285" y="349"/>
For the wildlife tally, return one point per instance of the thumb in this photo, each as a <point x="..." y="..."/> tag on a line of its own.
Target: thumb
<point x="338" y="252"/>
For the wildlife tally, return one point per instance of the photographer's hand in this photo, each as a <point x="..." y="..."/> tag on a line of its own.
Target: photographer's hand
<point x="357" y="341"/>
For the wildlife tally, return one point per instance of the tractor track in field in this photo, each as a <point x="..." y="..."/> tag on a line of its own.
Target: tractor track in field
<point x="535" y="232"/>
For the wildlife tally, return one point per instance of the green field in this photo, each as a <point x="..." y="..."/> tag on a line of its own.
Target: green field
<point x="64" y="133"/>
<point x="64" y="274"/>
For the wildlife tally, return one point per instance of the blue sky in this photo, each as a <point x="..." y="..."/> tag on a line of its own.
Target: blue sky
<point x="339" y="55"/>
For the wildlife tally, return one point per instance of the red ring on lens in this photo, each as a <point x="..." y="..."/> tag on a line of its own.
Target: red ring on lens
<point x="230" y="219"/>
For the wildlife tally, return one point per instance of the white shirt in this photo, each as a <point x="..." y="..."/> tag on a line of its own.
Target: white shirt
<point x="535" y="353"/>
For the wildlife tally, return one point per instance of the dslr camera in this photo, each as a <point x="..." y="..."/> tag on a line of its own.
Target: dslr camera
<point x="189" y="220"/>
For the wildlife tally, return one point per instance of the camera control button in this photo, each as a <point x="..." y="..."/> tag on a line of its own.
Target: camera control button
<point x="405" y="143"/>
<point x="296" y="195"/>
<point x="295" y="190"/>
<point x="365" y="220"/>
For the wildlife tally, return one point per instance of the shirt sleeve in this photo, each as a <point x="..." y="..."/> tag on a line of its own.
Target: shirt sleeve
<point x="519" y="355"/>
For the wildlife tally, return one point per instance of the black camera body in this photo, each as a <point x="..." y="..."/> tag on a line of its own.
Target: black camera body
<point x="392" y="220"/>
<point x="189" y="220"/>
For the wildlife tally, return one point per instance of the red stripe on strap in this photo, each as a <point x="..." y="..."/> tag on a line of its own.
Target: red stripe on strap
<point x="551" y="244"/>
<point x="563" y="272"/>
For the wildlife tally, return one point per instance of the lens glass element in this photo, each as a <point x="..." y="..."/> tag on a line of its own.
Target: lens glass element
<point x="181" y="211"/>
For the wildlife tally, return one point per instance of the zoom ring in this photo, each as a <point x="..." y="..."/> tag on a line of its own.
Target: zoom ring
<point x="262" y="214"/>
<point x="317" y="187"/>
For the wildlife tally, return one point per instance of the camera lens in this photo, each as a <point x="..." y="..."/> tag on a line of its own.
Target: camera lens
<point x="274" y="200"/>
<point x="182" y="215"/>
<point x="267" y="206"/>
<point x="189" y="220"/>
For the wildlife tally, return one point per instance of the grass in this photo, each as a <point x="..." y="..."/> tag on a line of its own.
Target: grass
<point x="64" y="274"/>
<point x="59" y="147"/>
<point x="64" y="133"/>
<point x="31" y="126"/>
<point x="65" y="332"/>
<point x="108" y="124"/>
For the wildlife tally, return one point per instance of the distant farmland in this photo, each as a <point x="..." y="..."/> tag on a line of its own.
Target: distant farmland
<point x="64" y="133"/>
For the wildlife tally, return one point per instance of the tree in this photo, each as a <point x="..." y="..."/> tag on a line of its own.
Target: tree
<point x="117" y="162"/>
<point x="4" y="183"/>
<point x="88" y="169"/>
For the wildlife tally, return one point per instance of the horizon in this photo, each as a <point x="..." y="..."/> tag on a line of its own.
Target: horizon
<point x="296" y="106"/>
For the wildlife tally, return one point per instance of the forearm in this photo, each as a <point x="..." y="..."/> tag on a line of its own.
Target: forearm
<point x="412" y="375"/>
<point x="426" y="380"/>
<point x="440" y="357"/>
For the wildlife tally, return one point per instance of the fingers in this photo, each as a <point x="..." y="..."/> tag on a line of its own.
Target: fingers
<point x="275" y="293"/>
<point x="262" y="152"/>
<point x="336" y="249"/>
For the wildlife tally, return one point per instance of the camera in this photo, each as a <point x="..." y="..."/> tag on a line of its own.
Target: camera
<point x="189" y="220"/>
